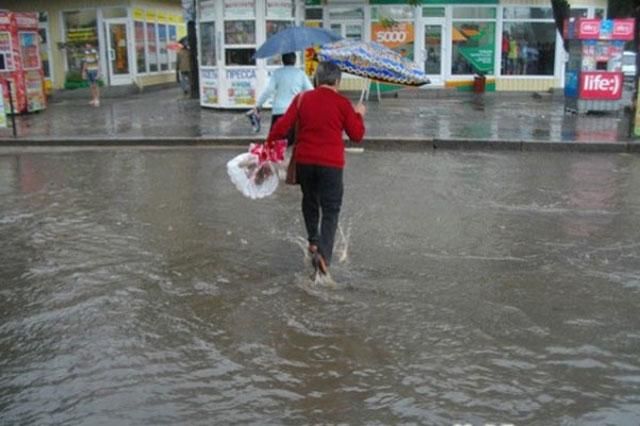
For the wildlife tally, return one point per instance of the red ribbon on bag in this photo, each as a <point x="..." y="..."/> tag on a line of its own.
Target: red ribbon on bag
<point x="272" y="151"/>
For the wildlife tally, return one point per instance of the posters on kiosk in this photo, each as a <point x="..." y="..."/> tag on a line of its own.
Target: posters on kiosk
<point x="3" y="113"/>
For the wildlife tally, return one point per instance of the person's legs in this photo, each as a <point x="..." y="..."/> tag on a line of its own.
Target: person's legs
<point x="310" y="201"/>
<point x="185" y="84"/>
<point x="330" y="193"/>
<point x="92" y="76"/>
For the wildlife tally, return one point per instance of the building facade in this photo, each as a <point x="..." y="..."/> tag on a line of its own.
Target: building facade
<point x="513" y="42"/>
<point x="132" y="38"/>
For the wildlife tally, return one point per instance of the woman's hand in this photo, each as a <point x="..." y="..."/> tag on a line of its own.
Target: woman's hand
<point x="360" y="109"/>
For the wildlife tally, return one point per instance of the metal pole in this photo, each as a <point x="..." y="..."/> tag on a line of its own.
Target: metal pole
<point x="193" y="48"/>
<point x="13" y="113"/>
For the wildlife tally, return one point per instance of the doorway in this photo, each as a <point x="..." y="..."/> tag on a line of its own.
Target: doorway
<point x="434" y="52"/>
<point x="118" y="64"/>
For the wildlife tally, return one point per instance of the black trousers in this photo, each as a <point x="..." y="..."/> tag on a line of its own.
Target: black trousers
<point x="322" y="191"/>
<point x="290" y="136"/>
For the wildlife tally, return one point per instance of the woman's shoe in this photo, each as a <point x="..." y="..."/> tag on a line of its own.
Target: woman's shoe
<point x="319" y="263"/>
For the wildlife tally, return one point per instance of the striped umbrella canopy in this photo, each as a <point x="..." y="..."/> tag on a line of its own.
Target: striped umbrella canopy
<point x="374" y="61"/>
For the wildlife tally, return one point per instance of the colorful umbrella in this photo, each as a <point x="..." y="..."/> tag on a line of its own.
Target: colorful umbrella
<point x="294" y="39"/>
<point x="374" y="61"/>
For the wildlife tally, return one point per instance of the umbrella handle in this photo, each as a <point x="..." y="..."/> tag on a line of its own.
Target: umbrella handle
<point x="365" y="89"/>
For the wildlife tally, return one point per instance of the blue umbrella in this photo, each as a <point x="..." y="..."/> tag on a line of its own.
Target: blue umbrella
<point x="294" y="39"/>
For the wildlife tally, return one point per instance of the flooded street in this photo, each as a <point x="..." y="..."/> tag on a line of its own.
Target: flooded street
<point x="138" y="287"/>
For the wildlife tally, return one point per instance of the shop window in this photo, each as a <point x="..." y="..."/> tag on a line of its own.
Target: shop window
<point x="313" y="14"/>
<point x="140" y="50"/>
<point x="6" y="57"/>
<point x="208" y="44"/>
<point x="473" y="47"/>
<point x="243" y="9"/>
<point x="163" y="57"/>
<point x="579" y="12"/>
<point x="241" y="57"/>
<point x="80" y="29"/>
<point x="240" y="32"/>
<point x="395" y="13"/>
<point x="528" y="13"/>
<point x="279" y="9"/>
<point x="173" y="37"/>
<point x="152" y="47"/>
<point x="337" y="13"/>
<point x="29" y="50"/>
<point x="45" y="48"/>
<point x="528" y="48"/>
<point x="114" y="12"/>
<point x="433" y="12"/>
<point x="470" y="12"/>
<point x="600" y="13"/>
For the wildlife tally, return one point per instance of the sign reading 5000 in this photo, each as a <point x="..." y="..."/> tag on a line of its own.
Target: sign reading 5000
<point x="399" y="37"/>
<point x="383" y="37"/>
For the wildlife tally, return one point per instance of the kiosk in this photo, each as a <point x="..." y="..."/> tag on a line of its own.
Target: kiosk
<point x="20" y="63"/>
<point x="594" y="79"/>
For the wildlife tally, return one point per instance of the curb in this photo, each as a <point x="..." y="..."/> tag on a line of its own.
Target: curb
<point x="371" y="143"/>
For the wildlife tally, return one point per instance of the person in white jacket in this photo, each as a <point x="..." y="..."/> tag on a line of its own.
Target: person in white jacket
<point x="285" y="83"/>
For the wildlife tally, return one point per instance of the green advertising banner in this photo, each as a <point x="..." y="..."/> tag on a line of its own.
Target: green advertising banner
<point x="482" y="58"/>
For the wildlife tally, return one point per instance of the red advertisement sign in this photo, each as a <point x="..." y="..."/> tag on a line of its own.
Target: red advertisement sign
<point x="588" y="29"/>
<point x="598" y="29"/>
<point x="623" y="29"/>
<point x="600" y="85"/>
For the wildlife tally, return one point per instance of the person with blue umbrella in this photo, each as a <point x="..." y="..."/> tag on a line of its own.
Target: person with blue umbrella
<point x="285" y="83"/>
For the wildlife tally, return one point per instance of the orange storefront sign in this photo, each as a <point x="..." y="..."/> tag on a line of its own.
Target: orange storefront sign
<point x="397" y="37"/>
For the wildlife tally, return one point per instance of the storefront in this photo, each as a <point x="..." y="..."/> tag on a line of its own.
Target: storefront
<point x="513" y="42"/>
<point x="131" y="36"/>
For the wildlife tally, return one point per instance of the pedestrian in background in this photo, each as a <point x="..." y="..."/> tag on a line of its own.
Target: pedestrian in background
<point x="285" y="83"/>
<point x="321" y="117"/>
<point x="184" y="67"/>
<point x="90" y="68"/>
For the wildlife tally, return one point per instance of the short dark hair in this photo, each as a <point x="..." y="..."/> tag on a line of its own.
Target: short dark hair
<point x="327" y="73"/>
<point x="289" y="58"/>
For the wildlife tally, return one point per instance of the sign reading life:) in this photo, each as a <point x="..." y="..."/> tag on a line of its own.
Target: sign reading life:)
<point x="596" y="85"/>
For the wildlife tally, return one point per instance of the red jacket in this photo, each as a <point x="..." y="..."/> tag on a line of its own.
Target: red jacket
<point x="324" y="116"/>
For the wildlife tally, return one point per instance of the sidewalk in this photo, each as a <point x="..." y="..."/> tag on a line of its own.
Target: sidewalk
<point x="436" y="119"/>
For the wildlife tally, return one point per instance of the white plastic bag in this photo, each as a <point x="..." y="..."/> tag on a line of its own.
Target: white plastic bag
<point x="253" y="179"/>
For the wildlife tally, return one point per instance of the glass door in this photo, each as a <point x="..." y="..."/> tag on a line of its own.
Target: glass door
<point x="117" y="35"/>
<point x="433" y="52"/>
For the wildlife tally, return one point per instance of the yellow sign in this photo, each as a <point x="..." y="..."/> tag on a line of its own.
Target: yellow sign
<point x="182" y="31"/>
<point x="151" y="15"/>
<point x="162" y="17"/>
<point x="311" y="53"/>
<point x="138" y="14"/>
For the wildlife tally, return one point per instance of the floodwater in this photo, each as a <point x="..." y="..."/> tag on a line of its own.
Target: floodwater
<point x="138" y="287"/>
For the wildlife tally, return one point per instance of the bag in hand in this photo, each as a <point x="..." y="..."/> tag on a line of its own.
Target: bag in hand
<point x="292" y="175"/>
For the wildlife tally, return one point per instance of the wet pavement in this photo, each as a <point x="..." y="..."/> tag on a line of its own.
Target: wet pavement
<point x="441" y="117"/>
<point x="139" y="287"/>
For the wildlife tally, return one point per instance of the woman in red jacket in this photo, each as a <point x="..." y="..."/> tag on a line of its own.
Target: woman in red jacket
<point x="323" y="115"/>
